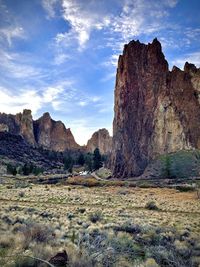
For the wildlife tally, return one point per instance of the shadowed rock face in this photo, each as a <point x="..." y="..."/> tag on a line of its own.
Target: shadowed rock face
<point x="102" y="140"/>
<point x="15" y="148"/>
<point x="157" y="111"/>
<point x="53" y="135"/>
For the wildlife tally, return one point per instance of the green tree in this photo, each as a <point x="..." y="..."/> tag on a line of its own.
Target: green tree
<point x="68" y="163"/>
<point x="97" y="160"/>
<point x="27" y="169"/>
<point x="11" y="169"/>
<point x="81" y="159"/>
<point x="89" y="161"/>
<point x="37" y="170"/>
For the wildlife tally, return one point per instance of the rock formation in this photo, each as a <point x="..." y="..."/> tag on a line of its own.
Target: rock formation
<point x="157" y="111"/>
<point x="43" y="132"/>
<point x="53" y="135"/>
<point x="102" y="140"/>
<point x="25" y="122"/>
<point x="20" y="124"/>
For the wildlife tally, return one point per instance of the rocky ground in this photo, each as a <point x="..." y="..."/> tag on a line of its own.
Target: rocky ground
<point x="98" y="226"/>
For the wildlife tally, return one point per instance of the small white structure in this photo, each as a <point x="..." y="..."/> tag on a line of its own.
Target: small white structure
<point x="3" y="127"/>
<point x="83" y="173"/>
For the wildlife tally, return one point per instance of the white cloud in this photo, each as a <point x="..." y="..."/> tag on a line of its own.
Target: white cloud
<point x="10" y="103"/>
<point x="49" y="6"/>
<point x="140" y="17"/>
<point x="13" y="65"/>
<point x="82" y="19"/>
<point x="83" y="103"/>
<point x="171" y="3"/>
<point x="60" y="58"/>
<point x="86" y="100"/>
<point x="95" y="99"/>
<point x="32" y="99"/>
<point x="51" y="93"/>
<point x="10" y="33"/>
<point x="112" y="61"/>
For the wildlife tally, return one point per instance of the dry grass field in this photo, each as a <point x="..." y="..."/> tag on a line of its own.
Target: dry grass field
<point x="63" y="215"/>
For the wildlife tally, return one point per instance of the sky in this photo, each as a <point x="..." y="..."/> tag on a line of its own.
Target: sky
<point x="61" y="56"/>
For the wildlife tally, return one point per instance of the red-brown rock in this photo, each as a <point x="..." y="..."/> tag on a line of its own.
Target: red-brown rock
<point x="157" y="111"/>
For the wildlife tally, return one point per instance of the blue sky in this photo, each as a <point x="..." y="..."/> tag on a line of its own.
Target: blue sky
<point x="60" y="55"/>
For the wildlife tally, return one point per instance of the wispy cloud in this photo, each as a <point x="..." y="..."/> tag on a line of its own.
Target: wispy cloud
<point x="136" y="17"/>
<point x="87" y="100"/>
<point x="49" y="6"/>
<point x="60" y="58"/>
<point x="10" y="33"/>
<point x="14" y="65"/>
<point x="82" y="19"/>
<point x="33" y="99"/>
<point x="112" y="61"/>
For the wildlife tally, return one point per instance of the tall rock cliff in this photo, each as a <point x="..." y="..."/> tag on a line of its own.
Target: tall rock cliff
<point x="53" y="135"/>
<point x="102" y="140"/>
<point x="157" y="111"/>
<point x="25" y="122"/>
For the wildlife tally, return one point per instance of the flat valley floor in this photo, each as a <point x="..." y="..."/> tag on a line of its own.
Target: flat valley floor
<point x="71" y="210"/>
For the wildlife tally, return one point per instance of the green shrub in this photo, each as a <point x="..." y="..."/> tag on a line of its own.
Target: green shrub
<point x="95" y="217"/>
<point x="25" y="262"/>
<point x="181" y="164"/>
<point x="36" y="232"/>
<point x="128" y="228"/>
<point x="21" y="194"/>
<point x="151" y="205"/>
<point x="185" y="188"/>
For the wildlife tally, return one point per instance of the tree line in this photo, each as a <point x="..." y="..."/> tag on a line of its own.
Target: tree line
<point x="91" y="161"/>
<point x="26" y="169"/>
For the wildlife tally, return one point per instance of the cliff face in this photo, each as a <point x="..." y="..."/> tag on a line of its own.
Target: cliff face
<point x="53" y="135"/>
<point x="19" y="124"/>
<point x="102" y="140"/>
<point x="43" y="132"/>
<point x="157" y="111"/>
<point x="25" y="122"/>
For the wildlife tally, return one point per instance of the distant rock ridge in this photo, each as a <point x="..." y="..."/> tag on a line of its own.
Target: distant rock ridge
<point x="50" y="134"/>
<point x="157" y="111"/>
<point x="100" y="139"/>
<point x="53" y="135"/>
<point x="44" y="132"/>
